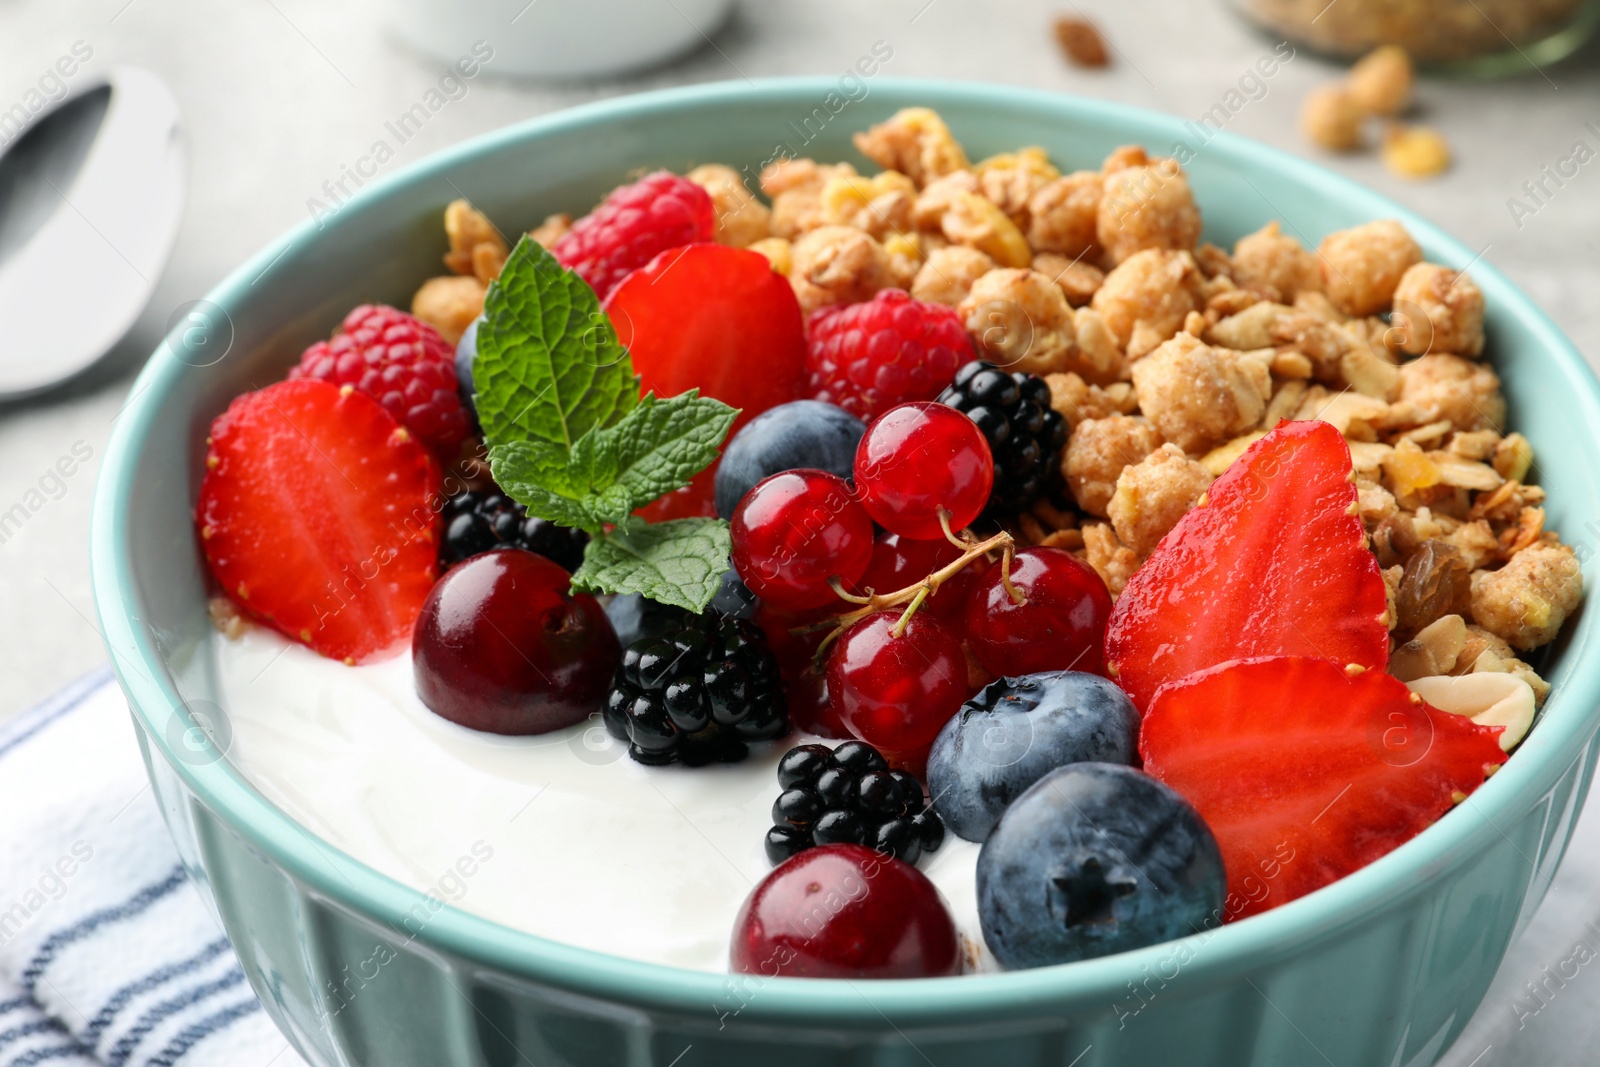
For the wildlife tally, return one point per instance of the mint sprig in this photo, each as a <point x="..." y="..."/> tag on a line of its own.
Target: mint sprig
<point x="677" y="562"/>
<point x="570" y="438"/>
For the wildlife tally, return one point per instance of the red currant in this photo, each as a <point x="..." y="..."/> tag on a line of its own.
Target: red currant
<point x="793" y="532"/>
<point x="845" y="911"/>
<point x="1062" y="626"/>
<point x="919" y="458"/>
<point x="899" y="561"/>
<point x="504" y="645"/>
<point x="896" y="692"/>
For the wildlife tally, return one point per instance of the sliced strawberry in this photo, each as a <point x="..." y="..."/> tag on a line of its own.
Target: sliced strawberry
<point x="717" y="319"/>
<point x="1275" y="562"/>
<point x="317" y="515"/>
<point x="1306" y="773"/>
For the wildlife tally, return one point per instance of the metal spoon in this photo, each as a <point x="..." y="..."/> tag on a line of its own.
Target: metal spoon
<point x="91" y="194"/>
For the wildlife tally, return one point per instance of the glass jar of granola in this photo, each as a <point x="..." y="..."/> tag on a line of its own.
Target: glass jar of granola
<point x="1485" y="37"/>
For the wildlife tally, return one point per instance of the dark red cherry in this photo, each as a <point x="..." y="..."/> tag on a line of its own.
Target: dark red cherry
<point x="845" y="911"/>
<point x="1062" y="627"/>
<point x="504" y="645"/>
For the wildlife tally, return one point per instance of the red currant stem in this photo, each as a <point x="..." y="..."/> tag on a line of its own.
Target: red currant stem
<point x="914" y="594"/>
<point x="838" y="587"/>
<point x="963" y="541"/>
<point x="1012" y="591"/>
<point x="899" y="628"/>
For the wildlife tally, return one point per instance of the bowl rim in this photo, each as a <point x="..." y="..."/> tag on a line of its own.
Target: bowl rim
<point x="1565" y="723"/>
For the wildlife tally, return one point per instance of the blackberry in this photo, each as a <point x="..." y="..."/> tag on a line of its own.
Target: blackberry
<point x="1024" y="433"/>
<point x="697" y="692"/>
<point x="479" y="520"/>
<point x="848" y="795"/>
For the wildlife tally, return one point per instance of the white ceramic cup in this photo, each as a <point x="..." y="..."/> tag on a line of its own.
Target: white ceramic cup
<point x="558" y="38"/>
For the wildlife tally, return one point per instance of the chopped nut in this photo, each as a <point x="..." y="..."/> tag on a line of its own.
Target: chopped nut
<point x="1447" y="309"/>
<point x="741" y="219"/>
<point x="1434" y="650"/>
<point x="1019" y="320"/>
<point x="552" y="229"/>
<point x="449" y="303"/>
<point x="1291" y="364"/>
<point x="1062" y="215"/>
<point x="1076" y="400"/>
<point x="487" y="262"/>
<point x="1081" y="42"/>
<point x="1415" y="151"/>
<point x="1012" y="179"/>
<point x="947" y="274"/>
<point x="1152" y="495"/>
<point x="1147" y="206"/>
<point x="914" y="141"/>
<point x="1526" y="601"/>
<point x="1362" y="266"/>
<point x="1487" y="699"/>
<point x="1098" y="451"/>
<point x="1154" y="287"/>
<point x="1380" y="82"/>
<point x="1437" y="386"/>
<point x="779" y="252"/>
<point x="1114" y="562"/>
<point x="1079" y="281"/>
<point x="467" y="228"/>
<point x="1271" y="258"/>
<point x="1254" y="327"/>
<point x="1097" y="357"/>
<point x="844" y="262"/>
<point x="1199" y="396"/>
<point x="1330" y="118"/>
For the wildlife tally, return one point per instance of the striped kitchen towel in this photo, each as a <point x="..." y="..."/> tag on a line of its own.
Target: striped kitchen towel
<point x="107" y="954"/>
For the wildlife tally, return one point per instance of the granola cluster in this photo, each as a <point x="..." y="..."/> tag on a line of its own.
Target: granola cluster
<point x="1167" y="358"/>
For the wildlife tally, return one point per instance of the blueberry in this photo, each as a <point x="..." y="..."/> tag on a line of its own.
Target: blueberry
<point x="634" y="616"/>
<point x="733" y="597"/>
<point x="1096" y="858"/>
<point x="1015" y="732"/>
<point x="466" y="352"/>
<point x="802" y="433"/>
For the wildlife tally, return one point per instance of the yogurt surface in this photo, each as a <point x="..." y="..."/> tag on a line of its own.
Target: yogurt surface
<point x="564" y="836"/>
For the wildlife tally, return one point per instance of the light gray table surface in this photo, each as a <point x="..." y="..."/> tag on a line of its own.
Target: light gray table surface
<point x="278" y="95"/>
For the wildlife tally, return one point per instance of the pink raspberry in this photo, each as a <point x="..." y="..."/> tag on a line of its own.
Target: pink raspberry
<point x="632" y="226"/>
<point x="868" y="357"/>
<point x="402" y="363"/>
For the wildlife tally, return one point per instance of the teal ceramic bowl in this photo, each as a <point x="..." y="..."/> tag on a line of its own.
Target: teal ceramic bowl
<point x="1384" y="967"/>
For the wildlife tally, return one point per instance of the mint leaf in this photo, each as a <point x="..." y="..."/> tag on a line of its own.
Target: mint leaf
<point x="656" y="448"/>
<point x="678" y="562"/>
<point x="549" y="366"/>
<point x="543" y="477"/>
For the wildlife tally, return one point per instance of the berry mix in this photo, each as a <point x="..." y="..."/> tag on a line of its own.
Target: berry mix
<point x="980" y="497"/>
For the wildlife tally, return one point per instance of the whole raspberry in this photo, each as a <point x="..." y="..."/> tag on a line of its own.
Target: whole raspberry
<point x="402" y="363"/>
<point x="632" y="226"/>
<point x="868" y="357"/>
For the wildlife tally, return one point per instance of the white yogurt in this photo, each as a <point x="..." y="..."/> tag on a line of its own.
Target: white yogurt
<point x="560" y="835"/>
